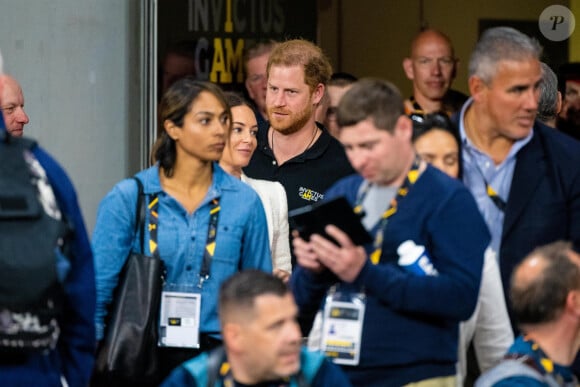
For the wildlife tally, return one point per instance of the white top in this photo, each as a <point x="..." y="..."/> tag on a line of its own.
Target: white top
<point x="273" y="197"/>
<point x="489" y="326"/>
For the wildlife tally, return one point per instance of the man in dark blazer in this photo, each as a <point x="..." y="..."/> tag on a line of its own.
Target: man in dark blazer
<point x="524" y="175"/>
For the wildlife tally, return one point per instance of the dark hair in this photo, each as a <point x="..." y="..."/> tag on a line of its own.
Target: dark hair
<point x="234" y="99"/>
<point x="342" y="79"/>
<point x="566" y="72"/>
<point x="424" y="123"/>
<point x="372" y="98"/>
<point x="542" y="298"/>
<point x="242" y="289"/>
<point x="175" y="104"/>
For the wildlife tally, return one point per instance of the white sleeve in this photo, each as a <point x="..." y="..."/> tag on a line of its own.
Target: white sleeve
<point x="493" y="332"/>
<point x="280" y="239"/>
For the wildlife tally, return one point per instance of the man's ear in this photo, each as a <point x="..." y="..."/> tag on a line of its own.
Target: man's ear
<point x="249" y="89"/>
<point x="318" y="93"/>
<point x="559" y="103"/>
<point x="408" y="68"/>
<point x="455" y="67"/>
<point x="404" y="127"/>
<point x="476" y="87"/>
<point x="231" y="333"/>
<point x="573" y="303"/>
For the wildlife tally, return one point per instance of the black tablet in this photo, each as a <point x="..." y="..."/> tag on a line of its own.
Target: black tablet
<point x="312" y="219"/>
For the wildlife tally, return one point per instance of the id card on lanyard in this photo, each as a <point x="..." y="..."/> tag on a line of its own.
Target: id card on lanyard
<point x="344" y="312"/>
<point x="342" y="326"/>
<point x="179" y="317"/>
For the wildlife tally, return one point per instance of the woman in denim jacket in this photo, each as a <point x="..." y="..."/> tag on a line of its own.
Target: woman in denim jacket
<point x="188" y="184"/>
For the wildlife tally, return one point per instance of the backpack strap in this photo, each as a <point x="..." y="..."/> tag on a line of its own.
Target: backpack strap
<point x="514" y="365"/>
<point x="214" y="361"/>
<point x="505" y="369"/>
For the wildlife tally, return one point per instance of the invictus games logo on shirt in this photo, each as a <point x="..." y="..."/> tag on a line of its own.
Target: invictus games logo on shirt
<point x="310" y="195"/>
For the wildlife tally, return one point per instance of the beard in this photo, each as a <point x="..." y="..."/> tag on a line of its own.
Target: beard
<point x="291" y="123"/>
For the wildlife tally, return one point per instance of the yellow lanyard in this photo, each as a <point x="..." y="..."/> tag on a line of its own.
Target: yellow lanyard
<point x="411" y="178"/>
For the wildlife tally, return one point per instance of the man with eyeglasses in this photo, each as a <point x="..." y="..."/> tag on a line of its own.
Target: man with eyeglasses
<point x="12" y="106"/>
<point x="431" y="67"/>
<point x="255" y="64"/>
<point x="338" y="85"/>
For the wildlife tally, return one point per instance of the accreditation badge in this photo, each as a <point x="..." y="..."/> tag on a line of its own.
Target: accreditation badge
<point x="179" y="319"/>
<point x="342" y="327"/>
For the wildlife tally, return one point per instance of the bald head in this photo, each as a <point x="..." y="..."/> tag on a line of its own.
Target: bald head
<point x="429" y="36"/>
<point x="541" y="282"/>
<point x="431" y="67"/>
<point x="12" y="105"/>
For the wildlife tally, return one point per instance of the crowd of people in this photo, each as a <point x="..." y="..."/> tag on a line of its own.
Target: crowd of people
<point x="472" y="202"/>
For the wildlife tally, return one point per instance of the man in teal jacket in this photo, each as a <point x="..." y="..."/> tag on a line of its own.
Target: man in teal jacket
<point x="262" y="341"/>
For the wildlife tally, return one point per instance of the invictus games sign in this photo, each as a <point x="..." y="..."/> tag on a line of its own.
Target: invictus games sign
<point x="217" y="31"/>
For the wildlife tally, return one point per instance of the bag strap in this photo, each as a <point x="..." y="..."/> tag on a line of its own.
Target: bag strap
<point x="514" y="366"/>
<point x="214" y="360"/>
<point x="505" y="369"/>
<point x="140" y="214"/>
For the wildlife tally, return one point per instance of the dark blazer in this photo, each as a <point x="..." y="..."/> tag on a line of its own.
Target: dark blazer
<point x="544" y="200"/>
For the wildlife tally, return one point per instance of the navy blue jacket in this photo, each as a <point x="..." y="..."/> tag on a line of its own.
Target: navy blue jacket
<point x="410" y="329"/>
<point x="74" y="355"/>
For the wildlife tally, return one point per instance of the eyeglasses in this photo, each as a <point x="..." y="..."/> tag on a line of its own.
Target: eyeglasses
<point x="426" y="121"/>
<point x="255" y="78"/>
<point x="421" y="117"/>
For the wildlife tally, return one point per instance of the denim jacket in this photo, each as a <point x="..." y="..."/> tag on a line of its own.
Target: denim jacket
<point x="241" y="242"/>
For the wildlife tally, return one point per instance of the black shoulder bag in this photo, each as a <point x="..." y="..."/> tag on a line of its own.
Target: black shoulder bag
<point x="128" y="352"/>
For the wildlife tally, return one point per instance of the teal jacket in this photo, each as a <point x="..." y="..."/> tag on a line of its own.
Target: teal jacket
<point x="315" y="371"/>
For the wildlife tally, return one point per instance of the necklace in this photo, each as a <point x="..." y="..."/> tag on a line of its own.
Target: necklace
<point x="314" y="133"/>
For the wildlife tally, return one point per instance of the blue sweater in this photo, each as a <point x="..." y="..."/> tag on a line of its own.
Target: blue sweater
<point x="73" y="358"/>
<point x="411" y="322"/>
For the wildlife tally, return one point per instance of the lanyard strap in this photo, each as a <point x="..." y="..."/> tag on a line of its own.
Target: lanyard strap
<point x="228" y="379"/>
<point x="209" y="250"/>
<point x="491" y="193"/>
<point x="403" y="190"/>
<point x="416" y="107"/>
<point x="153" y="208"/>
<point x="538" y="359"/>
<point x="418" y="110"/>
<point x="210" y="241"/>
<point x="495" y="198"/>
